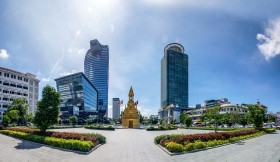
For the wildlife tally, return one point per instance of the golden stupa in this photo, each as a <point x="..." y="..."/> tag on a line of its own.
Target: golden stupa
<point x="130" y="115"/>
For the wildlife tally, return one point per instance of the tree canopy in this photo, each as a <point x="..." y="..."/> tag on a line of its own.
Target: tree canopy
<point x="47" y="108"/>
<point x="21" y="105"/>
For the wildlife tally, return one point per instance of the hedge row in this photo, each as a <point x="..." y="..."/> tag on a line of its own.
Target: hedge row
<point x="181" y="139"/>
<point x="100" y="127"/>
<point x="95" y="138"/>
<point x="192" y="146"/>
<point x="72" y="144"/>
<point x="159" y="128"/>
<point x="218" y="129"/>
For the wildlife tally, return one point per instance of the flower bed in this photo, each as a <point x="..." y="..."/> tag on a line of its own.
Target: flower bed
<point x="74" y="141"/>
<point x="186" y="143"/>
<point x="52" y="141"/>
<point x="161" y="128"/>
<point x="65" y="126"/>
<point x="99" y="127"/>
<point x="218" y="129"/>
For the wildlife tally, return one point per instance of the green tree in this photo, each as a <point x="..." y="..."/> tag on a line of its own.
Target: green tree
<point x="29" y="117"/>
<point x="257" y="114"/>
<point x="213" y="116"/>
<point x="188" y="121"/>
<point x="225" y="119"/>
<point x="14" y="115"/>
<point x="88" y="121"/>
<point x="6" y="120"/>
<point x="185" y="119"/>
<point x="21" y="105"/>
<point x="141" y="119"/>
<point x="73" y="119"/>
<point x="47" y="108"/>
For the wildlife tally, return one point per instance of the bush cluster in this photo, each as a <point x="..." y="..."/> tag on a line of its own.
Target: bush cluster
<point x="58" y="142"/>
<point x="99" y="127"/>
<point x="181" y="143"/>
<point x="65" y="135"/>
<point x="218" y="129"/>
<point x="210" y="136"/>
<point x="161" y="127"/>
<point x="269" y="130"/>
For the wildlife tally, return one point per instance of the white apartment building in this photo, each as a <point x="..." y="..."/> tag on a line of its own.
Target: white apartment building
<point x="14" y="84"/>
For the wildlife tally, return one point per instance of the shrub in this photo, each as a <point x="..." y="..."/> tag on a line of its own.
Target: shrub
<point x="58" y="142"/>
<point x="189" y="147"/>
<point x="159" y="138"/>
<point x="69" y="144"/>
<point x="174" y="147"/>
<point x="95" y="138"/>
<point x="270" y="130"/>
<point x="198" y="141"/>
<point x="199" y="145"/>
<point x="100" y="127"/>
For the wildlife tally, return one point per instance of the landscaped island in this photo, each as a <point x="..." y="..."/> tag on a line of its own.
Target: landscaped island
<point x="100" y="127"/>
<point x="179" y="143"/>
<point x="162" y="127"/>
<point x="73" y="141"/>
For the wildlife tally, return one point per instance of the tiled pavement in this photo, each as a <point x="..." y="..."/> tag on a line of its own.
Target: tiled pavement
<point x="133" y="145"/>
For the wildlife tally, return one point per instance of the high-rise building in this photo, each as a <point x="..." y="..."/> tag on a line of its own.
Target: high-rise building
<point x="116" y="108"/>
<point x="78" y="96"/>
<point x="14" y="84"/>
<point x="174" y="76"/>
<point x="96" y="69"/>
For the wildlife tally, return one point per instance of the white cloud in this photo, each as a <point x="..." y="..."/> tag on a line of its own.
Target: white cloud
<point x="68" y="73"/>
<point x="112" y="27"/>
<point x="46" y="79"/>
<point x="269" y="45"/>
<point x="144" y="111"/>
<point x="4" y="54"/>
<point x="78" y="32"/>
<point x="81" y="51"/>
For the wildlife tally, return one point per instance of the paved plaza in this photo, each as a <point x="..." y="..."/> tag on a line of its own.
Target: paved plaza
<point x="136" y="145"/>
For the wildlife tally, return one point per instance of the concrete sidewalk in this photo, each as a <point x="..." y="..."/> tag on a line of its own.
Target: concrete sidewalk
<point x="136" y="145"/>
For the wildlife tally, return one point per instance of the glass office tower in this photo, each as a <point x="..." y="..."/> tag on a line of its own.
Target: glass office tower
<point x="96" y="69"/>
<point x="78" y="95"/>
<point x="174" y="76"/>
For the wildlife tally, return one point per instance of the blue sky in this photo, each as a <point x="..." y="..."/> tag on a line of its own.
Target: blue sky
<point x="233" y="46"/>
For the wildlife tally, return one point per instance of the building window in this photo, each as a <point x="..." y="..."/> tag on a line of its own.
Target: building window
<point x="36" y="84"/>
<point x="19" y="78"/>
<point x="30" y="89"/>
<point x="6" y="75"/>
<point x="25" y="87"/>
<point x="19" y="86"/>
<point x="13" y="85"/>
<point x="5" y="99"/>
<point x="5" y="91"/>
<point x="31" y="82"/>
<point x="0" y="73"/>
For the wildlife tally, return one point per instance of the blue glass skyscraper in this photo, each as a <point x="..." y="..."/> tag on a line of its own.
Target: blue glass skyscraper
<point x="174" y="76"/>
<point x="96" y="69"/>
